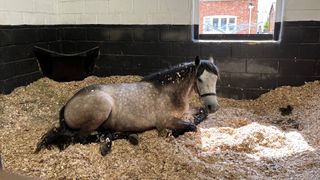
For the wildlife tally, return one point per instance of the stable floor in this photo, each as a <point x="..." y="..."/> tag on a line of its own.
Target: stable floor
<point x="244" y="139"/>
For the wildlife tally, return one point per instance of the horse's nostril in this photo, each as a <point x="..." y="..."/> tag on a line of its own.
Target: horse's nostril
<point x="213" y="108"/>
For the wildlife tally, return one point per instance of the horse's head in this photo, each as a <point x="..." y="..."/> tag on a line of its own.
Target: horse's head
<point x="207" y="76"/>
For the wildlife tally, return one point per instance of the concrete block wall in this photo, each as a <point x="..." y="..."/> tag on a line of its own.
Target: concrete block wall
<point x="18" y="65"/>
<point x="125" y="11"/>
<point x="298" y="10"/>
<point x="161" y="11"/>
<point x="140" y="36"/>
<point x="40" y="12"/>
<point x="18" y="12"/>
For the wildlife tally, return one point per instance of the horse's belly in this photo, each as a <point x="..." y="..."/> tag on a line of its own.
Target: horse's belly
<point x="138" y="117"/>
<point x="130" y="122"/>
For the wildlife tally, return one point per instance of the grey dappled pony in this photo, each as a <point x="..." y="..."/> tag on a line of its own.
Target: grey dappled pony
<point x="115" y="111"/>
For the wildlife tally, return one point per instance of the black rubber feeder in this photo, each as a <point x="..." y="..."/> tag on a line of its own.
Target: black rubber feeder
<point x="64" y="67"/>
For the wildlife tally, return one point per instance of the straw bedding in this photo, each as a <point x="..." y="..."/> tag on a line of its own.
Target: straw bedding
<point x="244" y="139"/>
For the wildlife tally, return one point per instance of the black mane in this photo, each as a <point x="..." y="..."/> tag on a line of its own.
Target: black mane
<point x="171" y="75"/>
<point x="180" y="72"/>
<point x="207" y="65"/>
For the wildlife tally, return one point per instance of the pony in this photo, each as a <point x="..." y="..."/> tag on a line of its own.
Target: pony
<point x="105" y="112"/>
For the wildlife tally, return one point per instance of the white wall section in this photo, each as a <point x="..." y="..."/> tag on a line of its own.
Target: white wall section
<point x="302" y="10"/>
<point x="16" y="12"/>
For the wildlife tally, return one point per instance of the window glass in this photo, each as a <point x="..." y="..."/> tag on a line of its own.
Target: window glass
<point x="224" y="24"/>
<point x="215" y="23"/>
<point x="232" y="25"/>
<point x="207" y="25"/>
<point x="232" y="20"/>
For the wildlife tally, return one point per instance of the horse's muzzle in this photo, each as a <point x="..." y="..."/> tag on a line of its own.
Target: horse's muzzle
<point x="210" y="102"/>
<point x="212" y="108"/>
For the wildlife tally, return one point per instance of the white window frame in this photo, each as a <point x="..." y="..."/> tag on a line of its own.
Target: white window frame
<point x="219" y="30"/>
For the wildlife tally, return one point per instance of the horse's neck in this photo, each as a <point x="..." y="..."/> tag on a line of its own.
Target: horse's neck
<point x="180" y="92"/>
<point x="186" y="90"/>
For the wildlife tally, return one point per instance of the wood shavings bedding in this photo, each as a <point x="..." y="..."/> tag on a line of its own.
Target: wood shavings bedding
<point x="244" y="139"/>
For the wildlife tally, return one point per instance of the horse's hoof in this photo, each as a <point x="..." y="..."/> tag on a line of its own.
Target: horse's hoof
<point x="105" y="147"/>
<point x="176" y="133"/>
<point x="192" y="127"/>
<point x="133" y="139"/>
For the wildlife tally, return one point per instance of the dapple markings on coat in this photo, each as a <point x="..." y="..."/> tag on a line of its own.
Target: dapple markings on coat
<point x="158" y="101"/>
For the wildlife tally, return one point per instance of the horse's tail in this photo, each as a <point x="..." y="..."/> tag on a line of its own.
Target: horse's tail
<point x="61" y="136"/>
<point x="61" y="117"/>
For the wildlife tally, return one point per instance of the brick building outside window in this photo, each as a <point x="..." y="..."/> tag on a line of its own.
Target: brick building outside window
<point x="236" y="16"/>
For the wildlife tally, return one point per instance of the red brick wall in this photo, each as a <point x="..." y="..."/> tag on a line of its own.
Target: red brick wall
<point x="237" y="8"/>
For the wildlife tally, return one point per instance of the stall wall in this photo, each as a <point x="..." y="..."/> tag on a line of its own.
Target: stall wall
<point x="40" y="12"/>
<point x="17" y="12"/>
<point x="142" y="36"/>
<point x="297" y="10"/>
<point x="22" y="25"/>
<point x="125" y="11"/>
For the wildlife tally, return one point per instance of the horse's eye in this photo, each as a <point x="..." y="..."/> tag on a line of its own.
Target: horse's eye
<point x="200" y="80"/>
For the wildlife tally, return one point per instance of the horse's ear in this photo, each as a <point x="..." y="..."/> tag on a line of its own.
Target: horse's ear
<point x="197" y="61"/>
<point x="211" y="60"/>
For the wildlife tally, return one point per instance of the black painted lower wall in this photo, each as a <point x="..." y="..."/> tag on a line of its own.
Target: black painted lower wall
<point x="18" y="66"/>
<point x="247" y="69"/>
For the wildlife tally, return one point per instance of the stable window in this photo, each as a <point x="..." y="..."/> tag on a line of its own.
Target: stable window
<point x="237" y="19"/>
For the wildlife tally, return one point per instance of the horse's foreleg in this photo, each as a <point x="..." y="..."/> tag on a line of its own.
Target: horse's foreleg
<point x="131" y="137"/>
<point x="179" y="126"/>
<point x="200" y="116"/>
<point x="106" y="143"/>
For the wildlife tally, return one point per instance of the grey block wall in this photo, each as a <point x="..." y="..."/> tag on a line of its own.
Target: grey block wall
<point x="247" y="69"/>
